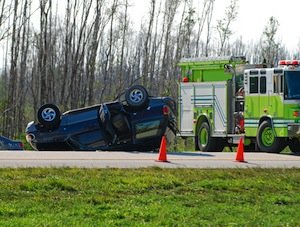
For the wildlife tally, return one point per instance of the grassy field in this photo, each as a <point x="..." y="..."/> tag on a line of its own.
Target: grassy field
<point x="150" y="197"/>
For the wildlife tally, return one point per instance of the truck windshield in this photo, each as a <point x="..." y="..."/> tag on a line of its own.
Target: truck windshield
<point x="292" y="85"/>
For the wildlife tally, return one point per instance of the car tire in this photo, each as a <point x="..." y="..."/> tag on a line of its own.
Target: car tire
<point x="267" y="140"/>
<point x="137" y="97"/>
<point x="49" y="116"/>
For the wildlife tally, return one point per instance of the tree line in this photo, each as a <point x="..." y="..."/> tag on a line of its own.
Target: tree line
<point x="76" y="53"/>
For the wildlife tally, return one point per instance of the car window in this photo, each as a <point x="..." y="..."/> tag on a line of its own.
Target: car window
<point x="147" y="129"/>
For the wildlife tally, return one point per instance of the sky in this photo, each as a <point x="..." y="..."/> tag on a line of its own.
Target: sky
<point x="253" y="16"/>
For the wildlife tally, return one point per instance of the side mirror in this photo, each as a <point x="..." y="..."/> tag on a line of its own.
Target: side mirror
<point x="228" y="68"/>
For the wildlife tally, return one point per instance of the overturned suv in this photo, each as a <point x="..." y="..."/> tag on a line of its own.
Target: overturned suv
<point x="136" y="123"/>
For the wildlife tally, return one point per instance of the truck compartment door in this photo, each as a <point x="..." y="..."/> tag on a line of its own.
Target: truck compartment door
<point x="186" y="107"/>
<point x="220" y="108"/>
<point x="212" y="97"/>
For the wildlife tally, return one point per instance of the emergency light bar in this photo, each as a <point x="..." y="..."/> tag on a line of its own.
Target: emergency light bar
<point x="289" y="62"/>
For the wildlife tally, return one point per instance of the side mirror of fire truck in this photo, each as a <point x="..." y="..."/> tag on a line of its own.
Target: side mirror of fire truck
<point x="228" y="68"/>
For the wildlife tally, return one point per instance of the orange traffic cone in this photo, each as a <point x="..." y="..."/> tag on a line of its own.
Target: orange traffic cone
<point x="162" y="157"/>
<point x="240" y="152"/>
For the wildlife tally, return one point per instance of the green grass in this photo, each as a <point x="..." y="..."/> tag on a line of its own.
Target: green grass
<point x="150" y="197"/>
<point x="27" y="146"/>
<point x="179" y="144"/>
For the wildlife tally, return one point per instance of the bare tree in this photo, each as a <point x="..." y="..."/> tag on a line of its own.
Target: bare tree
<point x="269" y="45"/>
<point x="238" y="47"/>
<point x="21" y="85"/>
<point x="67" y="46"/>
<point x="189" y="23"/>
<point x="14" y="108"/>
<point x="296" y="53"/>
<point x="44" y="44"/>
<point x="154" y="50"/>
<point x="180" y="36"/>
<point x="205" y="13"/>
<point x="147" y="43"/>
<point x="209" y="14"/>
<point x="78" y="53"/>
<point x="169" y="14"/>
<point x="124" y="25"/>
<point x="223" y="25"/>
<point x="5" y="12"/>
<point x="108" y="61"/>
<point x="10" y="114"/>
<point x="99" y="25"/>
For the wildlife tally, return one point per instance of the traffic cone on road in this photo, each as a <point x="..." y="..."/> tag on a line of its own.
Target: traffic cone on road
<point x="240" y="152"/>
<point x="162" y="157"/>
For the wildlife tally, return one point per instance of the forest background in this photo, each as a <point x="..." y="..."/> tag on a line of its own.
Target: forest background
<point x="76" y="53"/>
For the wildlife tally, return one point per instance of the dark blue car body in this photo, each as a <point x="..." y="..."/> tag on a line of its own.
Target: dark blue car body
<point x="109" y="126"/>
<point x="8" y="144"/>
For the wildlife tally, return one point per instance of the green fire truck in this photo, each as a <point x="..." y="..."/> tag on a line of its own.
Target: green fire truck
<point x="224" y="99"/>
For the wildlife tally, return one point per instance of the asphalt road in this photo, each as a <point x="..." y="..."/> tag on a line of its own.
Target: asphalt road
<point x="102" y="159"/>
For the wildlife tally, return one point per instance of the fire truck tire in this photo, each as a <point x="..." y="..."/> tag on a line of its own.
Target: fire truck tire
<point x="197" y="148"/>
<point x="294" y="145"/>
<point x="266" y="139"/>
<point x="203" y="140"/>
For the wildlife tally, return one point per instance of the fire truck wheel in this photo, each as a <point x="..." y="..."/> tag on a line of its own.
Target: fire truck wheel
<point x="266" y="139"/>
<point x="294" y="145"/>
<point x="203" y="139"/>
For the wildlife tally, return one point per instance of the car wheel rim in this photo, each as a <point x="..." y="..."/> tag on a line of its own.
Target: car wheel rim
<point x="136" y="96"/>
<point x="48" y="114"/>
<point x="203" y="137"/>
<point x="268" y="136"/>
